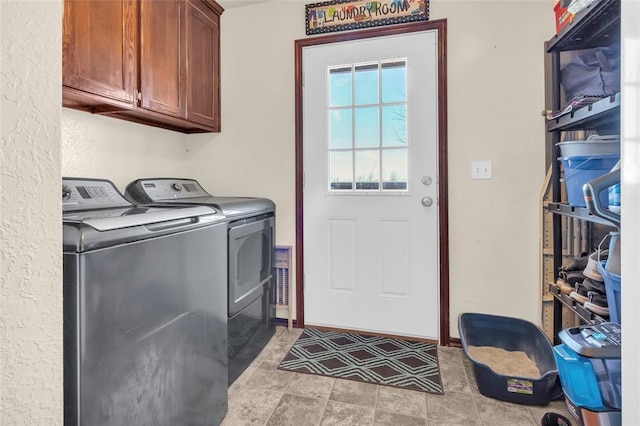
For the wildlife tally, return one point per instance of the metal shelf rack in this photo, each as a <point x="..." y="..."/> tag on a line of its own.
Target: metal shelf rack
<point x="596" y="26"/>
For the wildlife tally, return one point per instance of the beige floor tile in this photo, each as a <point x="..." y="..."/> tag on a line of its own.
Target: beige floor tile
<point x="311" y="385"/>
<point x="291" y="336"/>
<point x="246" y="374"/>
<point x="452" y="372"/>
<point x="251" y="407"/>
<point x="339" y="414"/>
<point x="402" y="401"/>
<point x="267" y="376"/>
<point x="233" y="390"/>
<point x="445" y="353"/>
<point x="353" y="392"/>
<point x="471" y="377"/>
<point x="277" y="352"/>
<point x="266" y="351"/>
<point x="447" y="423"/>
<point x="495" y="412"/>
<point x="384" y="418"/>
<point x="452" y="408"/>
<point x="297" y="410"/>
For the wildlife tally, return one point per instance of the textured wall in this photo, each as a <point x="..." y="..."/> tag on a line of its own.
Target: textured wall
<point x="31" y="298"/>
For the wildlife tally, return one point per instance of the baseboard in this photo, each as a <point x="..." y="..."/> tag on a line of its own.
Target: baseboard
<point x="455" y="342"/>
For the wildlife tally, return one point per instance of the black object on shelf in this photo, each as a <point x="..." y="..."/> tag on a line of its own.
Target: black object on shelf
<point x="584" y="314"/>
<point x="602" y="114"/>
<point x="596" y="26"/>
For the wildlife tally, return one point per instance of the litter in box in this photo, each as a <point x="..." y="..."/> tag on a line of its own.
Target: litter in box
<point x="507" y="363"/>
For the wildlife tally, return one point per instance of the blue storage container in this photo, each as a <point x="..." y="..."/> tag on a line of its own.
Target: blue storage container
<point x="511" y="334"/>
<point x="579" y="170"/>
<point x="612" y="285"/>
<point x="592" y="383"/>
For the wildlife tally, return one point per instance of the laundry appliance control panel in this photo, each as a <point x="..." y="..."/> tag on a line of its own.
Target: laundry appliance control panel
<point x="85" y="194"/>
<point x="594" y="340"/>
<point x="172" y="189"/>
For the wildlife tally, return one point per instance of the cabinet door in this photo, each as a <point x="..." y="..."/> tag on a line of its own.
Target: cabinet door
<point x="99" y="45"/>
<point x="162" y="56"/>
<point x="203" y="63"/>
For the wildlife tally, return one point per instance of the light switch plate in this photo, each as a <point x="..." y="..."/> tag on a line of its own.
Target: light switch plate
<point x="481" y="170"/>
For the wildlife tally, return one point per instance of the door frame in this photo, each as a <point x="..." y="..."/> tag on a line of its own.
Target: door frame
<point x="443" y="200"/>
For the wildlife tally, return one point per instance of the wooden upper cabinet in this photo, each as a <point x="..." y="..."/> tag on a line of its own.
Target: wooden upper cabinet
<point x="99" y="52"/>
<point x="155" y="62"/>
<point x="203" y="62"/>
<point x="162" y="56"/>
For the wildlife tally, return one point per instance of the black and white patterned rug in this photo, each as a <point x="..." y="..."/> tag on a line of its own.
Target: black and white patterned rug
<point x="380" y="360"/>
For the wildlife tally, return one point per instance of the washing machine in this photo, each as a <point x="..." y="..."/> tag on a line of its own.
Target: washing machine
<point x="144" y="312"/>
<point x="251" y="304"/>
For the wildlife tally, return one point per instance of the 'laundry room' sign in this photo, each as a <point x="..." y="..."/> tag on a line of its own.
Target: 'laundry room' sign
<point x="343" y="15"/>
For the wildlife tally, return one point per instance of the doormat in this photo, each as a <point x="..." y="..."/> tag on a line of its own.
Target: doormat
<point x="380" y="360"/>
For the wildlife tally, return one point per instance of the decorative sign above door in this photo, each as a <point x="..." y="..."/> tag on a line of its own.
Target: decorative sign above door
<point x="341" y="15"/>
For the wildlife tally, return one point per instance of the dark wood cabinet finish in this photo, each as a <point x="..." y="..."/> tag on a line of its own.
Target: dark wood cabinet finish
<point x="203" y="63"/>
<point x="155" y="62"/>
<point x="162" y="56"/>
<point x="99" y="54"/>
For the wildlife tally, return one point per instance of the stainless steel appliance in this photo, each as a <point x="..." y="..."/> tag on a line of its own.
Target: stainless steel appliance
<point x="145" y="327"/>
<point x="251" y="234"/>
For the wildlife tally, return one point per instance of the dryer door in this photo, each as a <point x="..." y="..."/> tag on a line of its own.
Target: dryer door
<point x="250" y="262"/>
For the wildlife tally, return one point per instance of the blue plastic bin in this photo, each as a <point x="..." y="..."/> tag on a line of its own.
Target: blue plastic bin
<point x="593" y="383"/>
<point x="511" y="334"/>
<point x="579" y="170"/>
<point x="612" y="285"/>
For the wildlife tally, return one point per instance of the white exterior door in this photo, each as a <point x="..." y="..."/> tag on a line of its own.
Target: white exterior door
<point x="371" y="184"/>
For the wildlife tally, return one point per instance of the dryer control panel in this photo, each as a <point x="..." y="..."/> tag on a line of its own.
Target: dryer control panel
<point x="153" y="190"/>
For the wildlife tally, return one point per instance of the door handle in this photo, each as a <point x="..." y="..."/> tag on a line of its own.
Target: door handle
<point x="427" y="201"/>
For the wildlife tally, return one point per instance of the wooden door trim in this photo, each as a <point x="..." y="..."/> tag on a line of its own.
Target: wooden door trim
<point x="443" y="201"/>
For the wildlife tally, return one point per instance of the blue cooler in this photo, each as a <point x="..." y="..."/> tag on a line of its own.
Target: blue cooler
<point x="590" y="372"/>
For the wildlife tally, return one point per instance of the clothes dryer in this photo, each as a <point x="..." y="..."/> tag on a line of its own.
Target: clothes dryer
<point x="251" y="294"/>
<point x="145" y="328"/>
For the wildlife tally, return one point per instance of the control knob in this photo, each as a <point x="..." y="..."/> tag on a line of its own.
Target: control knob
<point x="176" y="187"/>
<point x="66" y="192"/>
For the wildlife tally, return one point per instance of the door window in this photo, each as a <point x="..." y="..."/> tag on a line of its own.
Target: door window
<point x="368" y="145"/>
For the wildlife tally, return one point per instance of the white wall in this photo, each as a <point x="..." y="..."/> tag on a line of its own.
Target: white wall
<point x="30" y="232"/>
<point x="104" y="147"/>
<point x="496" y="93"/>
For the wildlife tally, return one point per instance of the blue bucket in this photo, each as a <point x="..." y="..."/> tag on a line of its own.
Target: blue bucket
<point x="579" y="170"/>
<point x="612" y="285"/>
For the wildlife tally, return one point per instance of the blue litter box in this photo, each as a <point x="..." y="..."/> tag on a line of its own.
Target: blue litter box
<point x="511" y="334"/>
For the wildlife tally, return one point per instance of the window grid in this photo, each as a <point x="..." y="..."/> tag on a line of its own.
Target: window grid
<point x="355" y="184"/>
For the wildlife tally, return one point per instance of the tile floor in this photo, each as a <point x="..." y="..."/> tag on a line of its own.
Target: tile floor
<point x="264" y="395"/>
